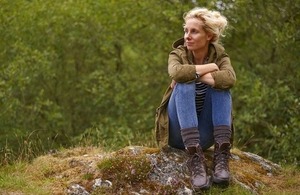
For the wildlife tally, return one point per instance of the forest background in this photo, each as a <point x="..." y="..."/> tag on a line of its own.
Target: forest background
<point x="92" y="72"/>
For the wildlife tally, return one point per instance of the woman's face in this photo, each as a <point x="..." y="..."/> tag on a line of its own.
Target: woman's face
<point x="194" y="35"/>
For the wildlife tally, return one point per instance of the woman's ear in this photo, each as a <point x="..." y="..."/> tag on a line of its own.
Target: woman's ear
<point x="209" y="36"/>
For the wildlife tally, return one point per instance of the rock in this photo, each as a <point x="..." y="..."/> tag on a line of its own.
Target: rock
<point x="100" y="184"/>
<point x="169" y="174"/>
<point x="76" y="189"/>
<point x="265" y="164"/>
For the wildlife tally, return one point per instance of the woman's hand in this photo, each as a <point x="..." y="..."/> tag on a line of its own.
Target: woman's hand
<point x="207" y="79"/>
<point x="206" y="68"/>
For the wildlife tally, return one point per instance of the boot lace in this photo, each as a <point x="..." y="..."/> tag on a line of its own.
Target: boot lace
<point x="221" y="160"/>
<point x="196" y="165"/>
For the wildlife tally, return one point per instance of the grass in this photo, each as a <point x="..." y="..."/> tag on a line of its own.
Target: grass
<point x="233" y="189"/>
<point x="15" y="179"/>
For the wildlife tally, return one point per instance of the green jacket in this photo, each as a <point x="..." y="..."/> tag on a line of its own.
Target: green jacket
<point x="181" y="69"/>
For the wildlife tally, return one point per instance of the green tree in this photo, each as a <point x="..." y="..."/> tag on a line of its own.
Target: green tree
<point x="73" y="65"/>
<point x="264" y="45"/>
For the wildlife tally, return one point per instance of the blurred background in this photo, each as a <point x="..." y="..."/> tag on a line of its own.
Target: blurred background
<point x="92" y="72"/>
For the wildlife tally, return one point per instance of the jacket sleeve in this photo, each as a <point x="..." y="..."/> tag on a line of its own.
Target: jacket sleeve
<point x="225" y="78"/>
<point x="178" y="67"/>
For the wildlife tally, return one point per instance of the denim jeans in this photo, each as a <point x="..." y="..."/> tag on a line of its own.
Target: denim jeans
<point x="182" y="113"/>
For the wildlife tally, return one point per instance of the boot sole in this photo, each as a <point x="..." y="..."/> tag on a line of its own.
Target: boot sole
<point x="220" y="182"/>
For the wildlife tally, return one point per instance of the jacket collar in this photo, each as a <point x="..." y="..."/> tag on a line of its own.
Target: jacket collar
<point x="215" y="50"/>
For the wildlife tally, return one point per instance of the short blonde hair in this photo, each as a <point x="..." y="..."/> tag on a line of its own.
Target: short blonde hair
<point x="213" y="21"/>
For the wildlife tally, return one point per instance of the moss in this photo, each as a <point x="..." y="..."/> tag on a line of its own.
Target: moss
<point x="137" y="150"/>
<point x="128" y="169"/>
<point x="125" y="169"/>
<point x="88" y="176"/>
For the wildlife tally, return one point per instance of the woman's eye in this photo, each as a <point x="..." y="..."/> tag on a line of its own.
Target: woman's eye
<point x="191" y="31"/>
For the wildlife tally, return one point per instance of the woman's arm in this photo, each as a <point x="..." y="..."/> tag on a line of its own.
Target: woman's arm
<point x="207" y="79"/>
<point x="203" y="72"/>
<point x="224" y="78"/>
<point x="179" y="68"/>
<point x="206" y="68"/>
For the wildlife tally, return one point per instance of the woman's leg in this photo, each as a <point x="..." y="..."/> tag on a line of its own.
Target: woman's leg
<point x="221" y="107"/>
<point x="184" y="133"/>
<point x="216" y="113"/>
<point x="205" y="122"/>
<point x="182" y="113"/>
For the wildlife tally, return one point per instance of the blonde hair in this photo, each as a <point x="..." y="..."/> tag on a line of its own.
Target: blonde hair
<point x="213" y="21"/>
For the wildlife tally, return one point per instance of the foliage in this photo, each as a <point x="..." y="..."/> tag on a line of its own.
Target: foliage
<point x="97" y="69"/>
<point x="66" y="67"/>
<point x="264" y="47"/>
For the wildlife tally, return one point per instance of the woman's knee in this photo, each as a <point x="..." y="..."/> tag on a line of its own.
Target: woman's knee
<point x="220" y="93"/>
<point x="185" y="88"/>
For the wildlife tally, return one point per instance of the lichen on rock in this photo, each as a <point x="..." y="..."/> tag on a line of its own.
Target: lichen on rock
<point x="143" y="170"/>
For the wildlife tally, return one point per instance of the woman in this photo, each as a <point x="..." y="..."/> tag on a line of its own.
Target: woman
<point x="196" y="109"/>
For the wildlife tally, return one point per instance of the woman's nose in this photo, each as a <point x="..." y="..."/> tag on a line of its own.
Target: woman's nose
<point x="187" y="35"/>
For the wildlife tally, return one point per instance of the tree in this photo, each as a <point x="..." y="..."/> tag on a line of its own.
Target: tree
<point x="263" y="44"/>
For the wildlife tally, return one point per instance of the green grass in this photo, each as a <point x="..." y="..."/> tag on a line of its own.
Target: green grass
<point x="233" y="189"/>
<point x="15" y="178"/>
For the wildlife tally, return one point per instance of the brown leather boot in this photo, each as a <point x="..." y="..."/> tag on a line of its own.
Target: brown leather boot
<point x="197" y="167"/>
<point x="221" y="173"/>
<point x="222" y="136"/>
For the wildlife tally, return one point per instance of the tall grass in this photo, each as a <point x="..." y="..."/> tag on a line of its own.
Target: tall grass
<point x="26" y="148"/>
<point x="114" y="137"/>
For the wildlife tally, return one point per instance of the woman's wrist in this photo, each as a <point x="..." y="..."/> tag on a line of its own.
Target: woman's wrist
<point x="206" y="68"/>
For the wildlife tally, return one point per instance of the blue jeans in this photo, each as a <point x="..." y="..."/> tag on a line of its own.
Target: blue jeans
<point x="182" y="113"/>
